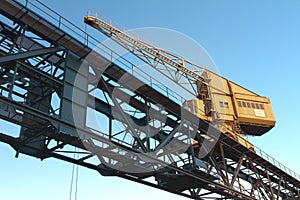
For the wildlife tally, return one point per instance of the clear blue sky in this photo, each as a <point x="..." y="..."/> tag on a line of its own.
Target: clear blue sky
<point x="253" y="43"/>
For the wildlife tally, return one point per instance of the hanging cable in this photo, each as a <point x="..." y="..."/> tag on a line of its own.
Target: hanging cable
<point x="71" y="187"/>
<point x="76" y="180"/>
<point x="74" y="176"/>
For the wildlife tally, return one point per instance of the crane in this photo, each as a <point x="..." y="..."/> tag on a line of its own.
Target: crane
<point x="232" y="108"/>
<point x="175" y="66"/>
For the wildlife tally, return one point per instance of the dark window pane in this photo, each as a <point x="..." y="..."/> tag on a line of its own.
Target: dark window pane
<point x="226" y="104"/>
<point x="262" y="106"/>
<point x="248" y="105"/>
<point x="239" y="103"/>
<point x="252" y="105"/>
<point x="221" y="104"/>
<point x="244" y="104"/>
<point x="256" y="106"/>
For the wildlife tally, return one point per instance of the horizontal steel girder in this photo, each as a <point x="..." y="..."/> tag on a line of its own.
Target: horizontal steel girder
<point x="29" y="54"/>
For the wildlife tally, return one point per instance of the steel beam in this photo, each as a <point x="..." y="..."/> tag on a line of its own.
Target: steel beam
<point x="230" y="151"/>
<point x="29" y="54"/>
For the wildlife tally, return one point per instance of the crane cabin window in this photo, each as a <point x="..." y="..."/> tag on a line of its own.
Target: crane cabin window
<point x="226" y="105"/>
<point x="239" y="103"/>
<point x="221" y="104"/>
<point x="256" y="106"/>
<point x="261" y="106"/>
<point x="244" y="104"/>
<point x="248" y="105"/>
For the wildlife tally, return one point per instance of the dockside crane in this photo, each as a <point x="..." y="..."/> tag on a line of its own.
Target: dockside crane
<point x="57" y="82"/>
<point x="231" y="108"/>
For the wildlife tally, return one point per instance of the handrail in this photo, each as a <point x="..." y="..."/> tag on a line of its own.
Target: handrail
<point x="91" y="42"/>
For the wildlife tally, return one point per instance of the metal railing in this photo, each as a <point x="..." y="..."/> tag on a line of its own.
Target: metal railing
<point x="94" y="44"/>
<point x="82" y="36"/>
<point x="274" y="162"/>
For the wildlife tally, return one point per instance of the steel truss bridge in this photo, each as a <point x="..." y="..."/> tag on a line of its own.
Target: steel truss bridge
<point x="52" y="83"/>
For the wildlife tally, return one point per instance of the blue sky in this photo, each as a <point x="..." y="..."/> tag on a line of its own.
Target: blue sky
<point x="253" y="43"/>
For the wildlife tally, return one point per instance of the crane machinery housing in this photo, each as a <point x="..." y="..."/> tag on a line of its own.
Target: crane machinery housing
<point x="232" y="108"/>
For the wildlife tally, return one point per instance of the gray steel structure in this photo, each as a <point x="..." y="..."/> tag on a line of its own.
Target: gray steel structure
<point x="51" y="81"/>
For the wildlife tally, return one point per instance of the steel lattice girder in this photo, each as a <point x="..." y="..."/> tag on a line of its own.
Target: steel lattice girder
<point x="217" y="160"/>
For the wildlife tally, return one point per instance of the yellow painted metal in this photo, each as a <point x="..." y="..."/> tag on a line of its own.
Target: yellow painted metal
<point x="240" y="110"/>
<point x="149" y="51"/>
